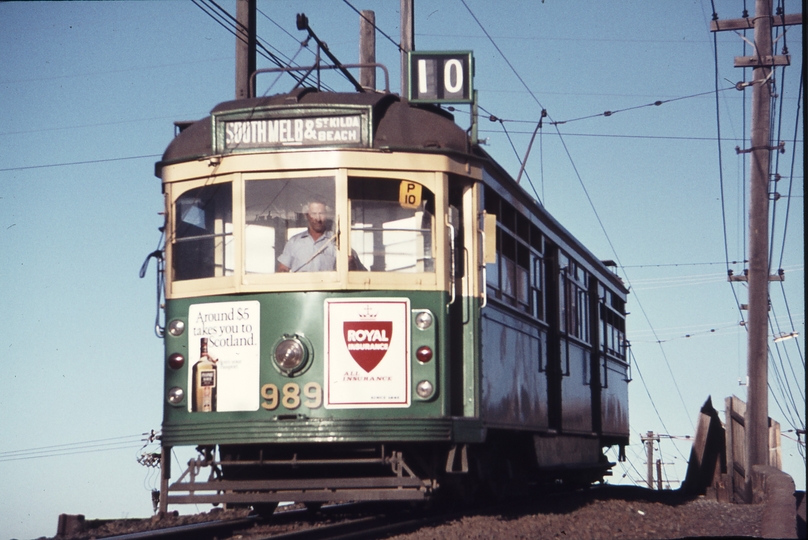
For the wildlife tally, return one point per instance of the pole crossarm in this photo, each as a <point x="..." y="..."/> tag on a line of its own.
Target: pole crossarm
<point x="748" y="23"/>
<point x="762" y="61"/>
<point x="781" y="147"/>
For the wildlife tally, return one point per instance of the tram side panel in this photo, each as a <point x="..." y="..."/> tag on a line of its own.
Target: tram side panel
<point x="542" y="369"/>
<point x="514" y="385"/>
<point x="576" y="396"/>
<point x="614" y="398"/>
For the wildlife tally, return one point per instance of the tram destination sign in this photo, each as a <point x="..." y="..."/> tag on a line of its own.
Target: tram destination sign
<point x="287" y="132"/>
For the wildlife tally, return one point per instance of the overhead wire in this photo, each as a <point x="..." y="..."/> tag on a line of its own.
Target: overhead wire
<point x="798" y="118"/>
<point x="83" y="447"/>
<point x="683" y="264"/>
<point x="635" y="107"/>
<point x="647" y="391"/>
<point x="231" y="24"/>
<point x="87" y="162"/>
<point x="721" y="170"/>
<point x="777" y="364"/>
<point x="373" y="24"/>
<point x="516" y="153"/>
<point x="291" y="61"/>
<point x="586" y="193"/>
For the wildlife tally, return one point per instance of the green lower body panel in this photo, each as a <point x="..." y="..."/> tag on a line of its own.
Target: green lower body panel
<point x="309" y="431"/>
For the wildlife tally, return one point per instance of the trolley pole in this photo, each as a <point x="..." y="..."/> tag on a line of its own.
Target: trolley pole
<point x="245" y="47"/>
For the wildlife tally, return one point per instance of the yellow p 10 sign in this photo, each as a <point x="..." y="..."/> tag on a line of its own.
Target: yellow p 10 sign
<point x="409" y="194"/>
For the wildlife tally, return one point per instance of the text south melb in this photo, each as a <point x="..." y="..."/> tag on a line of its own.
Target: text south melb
<point x="294" y="131"/>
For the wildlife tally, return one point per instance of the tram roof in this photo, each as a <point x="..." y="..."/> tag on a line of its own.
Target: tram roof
<point x="397" y="123"/>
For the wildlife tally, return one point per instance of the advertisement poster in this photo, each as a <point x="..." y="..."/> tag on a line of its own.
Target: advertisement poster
<point x="367" y="353"/>
<point x="224" y="355"/>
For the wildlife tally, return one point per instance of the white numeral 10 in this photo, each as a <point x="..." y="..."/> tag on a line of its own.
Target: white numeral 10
<point x="452" y="76"/>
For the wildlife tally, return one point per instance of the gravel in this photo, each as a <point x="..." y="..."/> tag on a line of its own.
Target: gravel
<point x="609" y="513"/>
<point x="601" y="512"/>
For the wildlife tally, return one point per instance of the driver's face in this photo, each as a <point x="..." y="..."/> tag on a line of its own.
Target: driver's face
<point x="316" y="217"/>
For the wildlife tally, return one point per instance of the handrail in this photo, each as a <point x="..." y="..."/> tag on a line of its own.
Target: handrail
<point x="452" y="255"/>
<point x="484" y="284"/>
<point x="311" y="68"/>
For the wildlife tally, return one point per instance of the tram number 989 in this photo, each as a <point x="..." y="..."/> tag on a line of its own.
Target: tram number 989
<point x="289" y="396"/>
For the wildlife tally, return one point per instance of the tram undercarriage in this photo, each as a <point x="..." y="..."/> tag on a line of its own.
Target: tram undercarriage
<point x="263" y="476"/>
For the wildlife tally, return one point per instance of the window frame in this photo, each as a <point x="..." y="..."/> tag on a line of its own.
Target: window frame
<point x="242" y="282"/>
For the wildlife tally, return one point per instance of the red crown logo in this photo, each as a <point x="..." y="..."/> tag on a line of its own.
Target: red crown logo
<point x="367" y="313"/>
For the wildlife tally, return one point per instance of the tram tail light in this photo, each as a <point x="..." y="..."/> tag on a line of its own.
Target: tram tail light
<point x="423" y="354"/>
<point x="176" y="361"/>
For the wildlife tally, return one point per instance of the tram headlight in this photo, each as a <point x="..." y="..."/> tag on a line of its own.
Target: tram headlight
<point x="424" y="389"/>
<point x="423" y="320"/>
<point x="176" y="395"/>
<point x="176" y="327"/>
<point x="290" y="355"/>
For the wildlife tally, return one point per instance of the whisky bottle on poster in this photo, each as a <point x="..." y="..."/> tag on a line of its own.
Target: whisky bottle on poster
<point x="204" y="377"/>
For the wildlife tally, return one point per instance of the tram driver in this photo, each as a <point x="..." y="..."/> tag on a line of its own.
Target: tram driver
<point x="314" y="250"/>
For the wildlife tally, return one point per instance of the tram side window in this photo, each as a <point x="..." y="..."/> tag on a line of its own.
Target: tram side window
<point x="614" y="326"/>
<point x="283" y="216"/>
<point x="576" y="304"/>
<point x="537" y="296"/>
<point x="517" y="276"/>
<point x="563" y="292"/>
<point x="387" y="235"/>
<point x="202" y="246"/>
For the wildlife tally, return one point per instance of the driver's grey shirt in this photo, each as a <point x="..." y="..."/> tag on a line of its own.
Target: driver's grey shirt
<point x="301" y="247"/>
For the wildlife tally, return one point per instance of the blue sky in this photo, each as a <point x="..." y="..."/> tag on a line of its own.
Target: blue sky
<point x="88" y="94"/>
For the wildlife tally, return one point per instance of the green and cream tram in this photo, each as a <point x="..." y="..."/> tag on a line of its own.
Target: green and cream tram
<point x="361" y="304"/>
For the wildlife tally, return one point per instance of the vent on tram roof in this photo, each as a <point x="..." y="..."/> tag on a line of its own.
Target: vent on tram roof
<point x="181" y="125"/>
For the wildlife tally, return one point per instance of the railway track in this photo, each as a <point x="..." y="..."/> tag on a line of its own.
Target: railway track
<point x="598" y="512"/>
<point x="346" y="521"/>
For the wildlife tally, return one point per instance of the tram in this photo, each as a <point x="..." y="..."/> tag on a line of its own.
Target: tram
<point x="361" y="304"/>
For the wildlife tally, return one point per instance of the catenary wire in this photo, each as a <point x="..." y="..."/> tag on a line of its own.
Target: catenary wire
<point x="229" y="23"/>
<point x="88" y="162"/>
<point x="589" y="199"/>
<point x="379" y="30"/>
<point x="721" y="169"/>
<point x="96" y="445"/>
<point x="647" y="391"/>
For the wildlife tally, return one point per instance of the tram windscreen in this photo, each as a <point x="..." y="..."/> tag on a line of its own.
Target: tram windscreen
<point x="282" y="218"/>
<point x="386" y="235"/>
<point x="203" y="233"/>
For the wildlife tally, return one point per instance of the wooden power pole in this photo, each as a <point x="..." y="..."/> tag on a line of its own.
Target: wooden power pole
<point x="407" y="40"/>
<point x="763" y="63"/>
<point x="245" y="48"/>
<point x="757" y="359"/>
<point x="367" y="48"/>
<point x="649" y="440"/>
